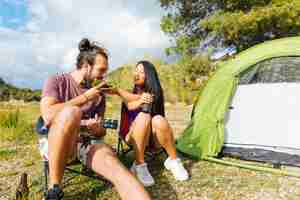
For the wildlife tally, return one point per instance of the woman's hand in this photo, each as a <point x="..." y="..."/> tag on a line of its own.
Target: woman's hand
<point x="110" y="91"/>
<point x="146" y="98"/>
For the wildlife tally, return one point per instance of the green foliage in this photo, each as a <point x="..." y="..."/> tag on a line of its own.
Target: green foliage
<point x="242" y="22"/>
<point x="179" y="81"/>
<point x="243" y="5"/>
<point x="8" y="92"/>
<point x="9" y="119"/>
<point x="259" y="24"/>
<point x="7" y="154"/>
<point x="197" y="66"/>
<point x="181" y="20"/>
<point x="15" y="125"/>
<point x="183" y="45"/>
<point x="122" y="77"/>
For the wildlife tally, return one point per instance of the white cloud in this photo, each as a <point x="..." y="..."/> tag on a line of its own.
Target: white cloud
<point x="47" y="43"/>
<point x="69" y="58"/>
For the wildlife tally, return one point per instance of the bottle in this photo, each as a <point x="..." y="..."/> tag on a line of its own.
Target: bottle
<point x="43" y="148"/>
<point x="146" y="107"/>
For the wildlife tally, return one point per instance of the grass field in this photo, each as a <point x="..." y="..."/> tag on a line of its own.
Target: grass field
<point x="209" y="181"/>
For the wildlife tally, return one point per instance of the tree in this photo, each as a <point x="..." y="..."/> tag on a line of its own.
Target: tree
<point x="2" y="82"/>
<point x="181" y="22"/>
<point x="194" y="23"/>
<point x="8" y="92"/>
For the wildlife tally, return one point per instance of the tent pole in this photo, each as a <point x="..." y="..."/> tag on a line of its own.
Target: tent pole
<point x="257" y="168"/>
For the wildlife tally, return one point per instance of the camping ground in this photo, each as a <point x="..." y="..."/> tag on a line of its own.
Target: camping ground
<point x="209" y="181"/>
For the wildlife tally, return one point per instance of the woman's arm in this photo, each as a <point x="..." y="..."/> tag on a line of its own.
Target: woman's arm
<point x="145" y="98"/>
<point x="127" y="96"/>
<point x="132" y="101"/>
<point x="133" y="105"/>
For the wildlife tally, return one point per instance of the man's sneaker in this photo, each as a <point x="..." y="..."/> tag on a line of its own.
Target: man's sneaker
<point x="55" y="193"/>
<point x="143" y="174"/>
<point x="177" y="169"/>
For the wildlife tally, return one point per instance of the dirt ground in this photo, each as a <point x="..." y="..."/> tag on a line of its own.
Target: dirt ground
<point x="208" y="181"/>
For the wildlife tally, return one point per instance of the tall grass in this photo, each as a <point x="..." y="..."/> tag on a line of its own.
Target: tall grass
<point x="10" y="119"/>
<point x="14" y="127"/>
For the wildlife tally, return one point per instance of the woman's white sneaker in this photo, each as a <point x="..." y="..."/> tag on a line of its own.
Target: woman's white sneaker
<point x="142" y="173"/>
<point x="177" y="169"/>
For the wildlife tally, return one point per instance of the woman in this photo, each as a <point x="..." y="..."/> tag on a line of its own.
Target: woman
<point x="141" y="127"/>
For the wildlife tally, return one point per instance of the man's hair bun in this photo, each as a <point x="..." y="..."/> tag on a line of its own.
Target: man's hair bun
<point x="84" y="45"/>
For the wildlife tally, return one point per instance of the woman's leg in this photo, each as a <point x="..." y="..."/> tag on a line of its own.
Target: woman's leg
<point x="104" y="162"/>
<point x="163" y="134"/>
<point x="139" y="136"/>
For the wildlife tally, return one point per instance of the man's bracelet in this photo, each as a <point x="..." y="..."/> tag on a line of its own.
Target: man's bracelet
<point x="87" y="99"/>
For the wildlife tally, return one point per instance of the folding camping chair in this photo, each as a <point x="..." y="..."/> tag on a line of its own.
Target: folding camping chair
<point x="122" y="150"/>
<point x="42" y="131"/>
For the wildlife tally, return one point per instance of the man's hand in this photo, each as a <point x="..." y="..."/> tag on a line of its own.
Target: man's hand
<point x="95" y="125"/>
<point x="94" y="92"/>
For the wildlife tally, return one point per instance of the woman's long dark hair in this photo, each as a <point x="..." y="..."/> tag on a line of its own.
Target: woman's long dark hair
<point x="153" y="86"/>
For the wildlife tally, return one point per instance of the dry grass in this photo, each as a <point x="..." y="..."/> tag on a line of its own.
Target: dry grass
<point x="209" y="181"/>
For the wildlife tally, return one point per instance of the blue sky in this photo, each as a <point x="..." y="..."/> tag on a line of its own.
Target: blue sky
<point x="40" y="38"/>
<point x="13" y="13"/>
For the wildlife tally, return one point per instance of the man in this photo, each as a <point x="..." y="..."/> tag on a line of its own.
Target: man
<point x="66" y="104"/>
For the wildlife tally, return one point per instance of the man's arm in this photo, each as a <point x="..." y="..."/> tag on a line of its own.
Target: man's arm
<point x="95" y="125"/>
<point x="50" y="106"/>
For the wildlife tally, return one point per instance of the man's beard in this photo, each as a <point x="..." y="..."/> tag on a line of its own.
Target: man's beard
<point x="89" y="83"/>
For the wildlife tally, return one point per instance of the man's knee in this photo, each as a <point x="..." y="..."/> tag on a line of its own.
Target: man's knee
<point x="71" y="112"/>
<point x="110" y="160"/>
<point x="68" y="117"/>
<point x="104" y="153"/>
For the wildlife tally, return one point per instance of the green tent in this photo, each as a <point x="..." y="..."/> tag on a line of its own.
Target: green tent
<point x="204" y="136"/>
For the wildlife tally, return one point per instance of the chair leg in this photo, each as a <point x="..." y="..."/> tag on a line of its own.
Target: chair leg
<point x="46" y="172"/>
<point x="120" y="146"/>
